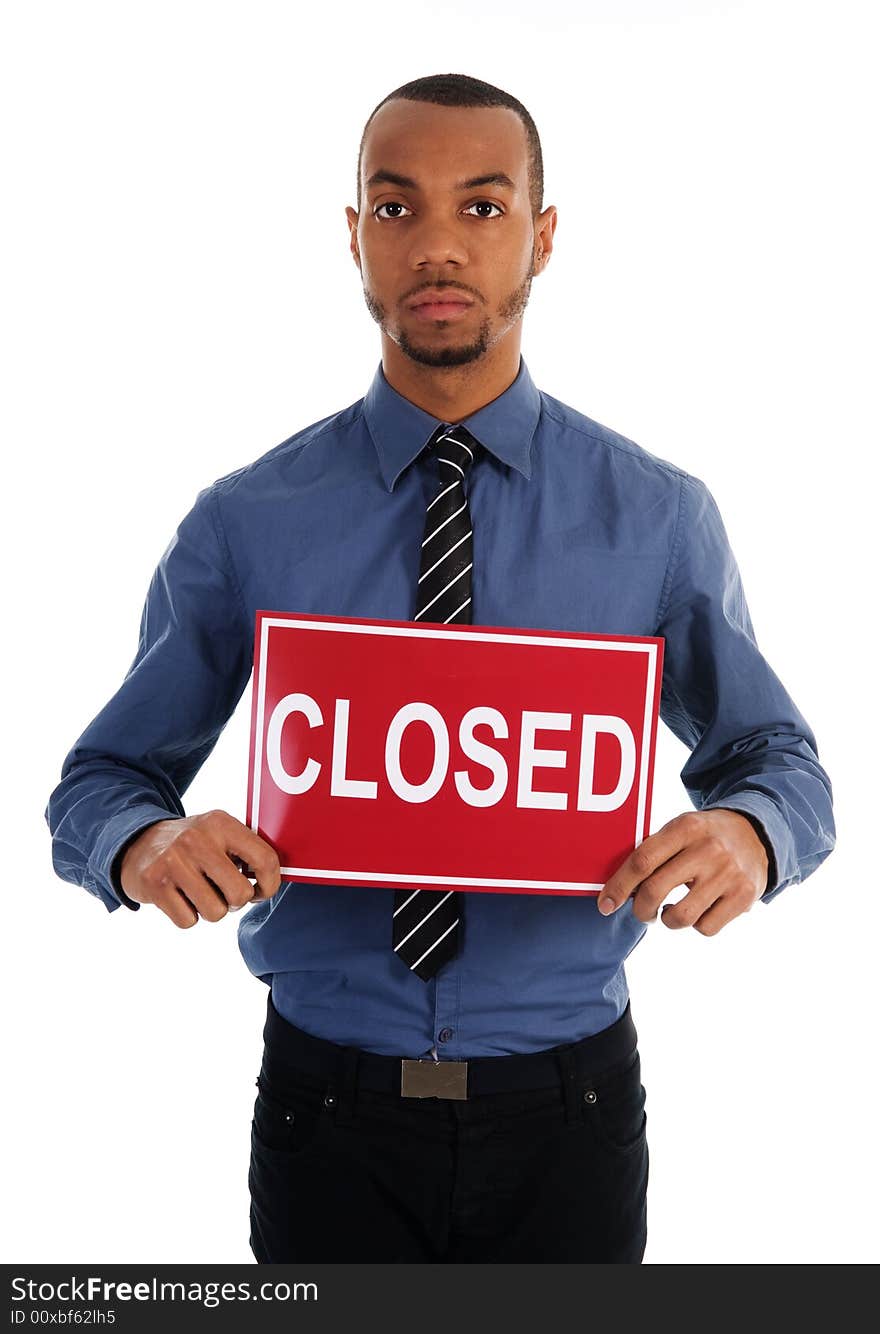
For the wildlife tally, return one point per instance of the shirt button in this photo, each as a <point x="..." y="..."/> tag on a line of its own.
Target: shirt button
<point x="445" y="1034"/>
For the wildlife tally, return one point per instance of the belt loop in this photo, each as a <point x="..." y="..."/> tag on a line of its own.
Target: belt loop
<point x="345" y="1110"/>
<point x="568" y="1075"/>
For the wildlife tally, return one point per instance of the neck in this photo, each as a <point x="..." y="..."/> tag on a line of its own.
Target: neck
<point x="452" y="393"/>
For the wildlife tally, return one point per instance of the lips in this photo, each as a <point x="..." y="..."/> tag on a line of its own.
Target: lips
<point x="440" y="296"/>
<point x="442" y="305"/>
<point x="441" y="310"/>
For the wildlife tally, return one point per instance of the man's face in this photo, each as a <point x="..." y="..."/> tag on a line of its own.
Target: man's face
<point x="475" y="242"/>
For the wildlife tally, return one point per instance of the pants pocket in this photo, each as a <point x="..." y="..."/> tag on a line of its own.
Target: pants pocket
<point x="614" y="1106"/>
<point x="291" y="1120"/>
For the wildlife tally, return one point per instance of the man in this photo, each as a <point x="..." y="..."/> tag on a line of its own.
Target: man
<point x="447" y="1077"/>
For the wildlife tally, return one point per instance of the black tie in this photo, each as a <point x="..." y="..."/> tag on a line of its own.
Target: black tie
<point x="428" y="922"/>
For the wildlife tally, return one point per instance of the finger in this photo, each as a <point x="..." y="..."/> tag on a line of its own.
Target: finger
<point x="258" y="855"/>
<point x="176" y="906"/>
<point x="685" y="868"/>
<point x="204" y="897"/>
<point x="725" y="910"/>
<point x="221" y="872"/>
<point x="651" y="853"/>
<point x="702" y="894"/>
<point x="242" y="866"/>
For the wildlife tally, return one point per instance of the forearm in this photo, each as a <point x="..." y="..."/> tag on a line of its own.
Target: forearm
<point x="788" y="797"/>
<point x="93" y="814"/>
<point x="136" y="759"/>
<point x="752" y="750"/>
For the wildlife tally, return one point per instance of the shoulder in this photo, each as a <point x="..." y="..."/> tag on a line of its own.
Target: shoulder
<point x="293" y="453"/>
<point x="601" y="442"/>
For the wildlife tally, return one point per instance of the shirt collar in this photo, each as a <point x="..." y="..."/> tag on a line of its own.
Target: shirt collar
<point x="400" y="430"/>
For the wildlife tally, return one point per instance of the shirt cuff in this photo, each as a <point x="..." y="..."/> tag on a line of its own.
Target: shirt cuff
<point x="112" y="842"/>
<point x="773" y="831"/>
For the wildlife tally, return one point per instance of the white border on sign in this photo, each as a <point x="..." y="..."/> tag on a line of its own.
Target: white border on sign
<point x="426" y="632"/>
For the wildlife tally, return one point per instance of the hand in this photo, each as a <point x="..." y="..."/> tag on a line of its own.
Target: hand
<point x="187" y="867"/>
<point x="716" y="853"/>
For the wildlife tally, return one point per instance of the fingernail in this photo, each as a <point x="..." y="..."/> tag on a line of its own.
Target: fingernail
<point x="606" y="906"/>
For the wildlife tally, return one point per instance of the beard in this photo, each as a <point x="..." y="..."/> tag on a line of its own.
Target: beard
<point x="510" y="310"/>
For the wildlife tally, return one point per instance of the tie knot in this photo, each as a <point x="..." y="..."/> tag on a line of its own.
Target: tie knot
<point x="456" y="448"/>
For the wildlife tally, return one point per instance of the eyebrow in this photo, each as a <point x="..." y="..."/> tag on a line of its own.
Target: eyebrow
<point x="384" y="177"/>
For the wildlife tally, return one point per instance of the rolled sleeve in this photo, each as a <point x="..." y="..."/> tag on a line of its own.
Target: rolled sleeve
<point x="135" y="760"/>
<point x="752" y="750"/>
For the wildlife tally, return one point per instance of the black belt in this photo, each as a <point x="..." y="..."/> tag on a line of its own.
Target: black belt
<point x="289" y="1050"/>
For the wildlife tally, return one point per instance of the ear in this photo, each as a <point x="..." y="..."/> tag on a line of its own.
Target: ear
<point x="545" y="226"/>
<point x="353" y="218"/>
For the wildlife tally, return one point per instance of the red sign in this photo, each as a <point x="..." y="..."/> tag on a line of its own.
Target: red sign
<point x="433" y="756"/>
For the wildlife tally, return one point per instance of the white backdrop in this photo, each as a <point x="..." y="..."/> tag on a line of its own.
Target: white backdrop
<point x="179" y="297"/>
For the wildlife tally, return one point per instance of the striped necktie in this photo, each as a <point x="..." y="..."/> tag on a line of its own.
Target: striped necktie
<point x="428" y="923"/>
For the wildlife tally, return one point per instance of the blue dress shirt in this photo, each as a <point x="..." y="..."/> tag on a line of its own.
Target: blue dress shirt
<point x="576" y="528"/>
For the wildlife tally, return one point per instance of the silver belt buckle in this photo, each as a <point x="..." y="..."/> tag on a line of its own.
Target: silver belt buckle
<point x="433" y="1079"/>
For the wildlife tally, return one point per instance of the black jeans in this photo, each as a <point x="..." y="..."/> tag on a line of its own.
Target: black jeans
<point x="341" y="1171"/>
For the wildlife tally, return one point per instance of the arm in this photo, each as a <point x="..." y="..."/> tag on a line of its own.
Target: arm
<point x="752" y="751"/>
<point x="132" y="765"/>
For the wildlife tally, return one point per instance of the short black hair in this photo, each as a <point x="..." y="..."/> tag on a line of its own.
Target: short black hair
<point x="460" y="90"/>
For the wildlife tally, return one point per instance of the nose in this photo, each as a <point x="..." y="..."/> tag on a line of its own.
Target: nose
<point x="435" y="244"/>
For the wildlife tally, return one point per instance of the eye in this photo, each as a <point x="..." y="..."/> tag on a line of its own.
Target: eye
<point x="390" y="203"/>
<point x="395" y="203"/>
<point x="479" y="203"/>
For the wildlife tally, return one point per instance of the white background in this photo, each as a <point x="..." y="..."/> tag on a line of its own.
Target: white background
<point x="179" y="297"/>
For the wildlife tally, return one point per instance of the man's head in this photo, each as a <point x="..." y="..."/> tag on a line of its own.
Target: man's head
<point x="449" y="193"/>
